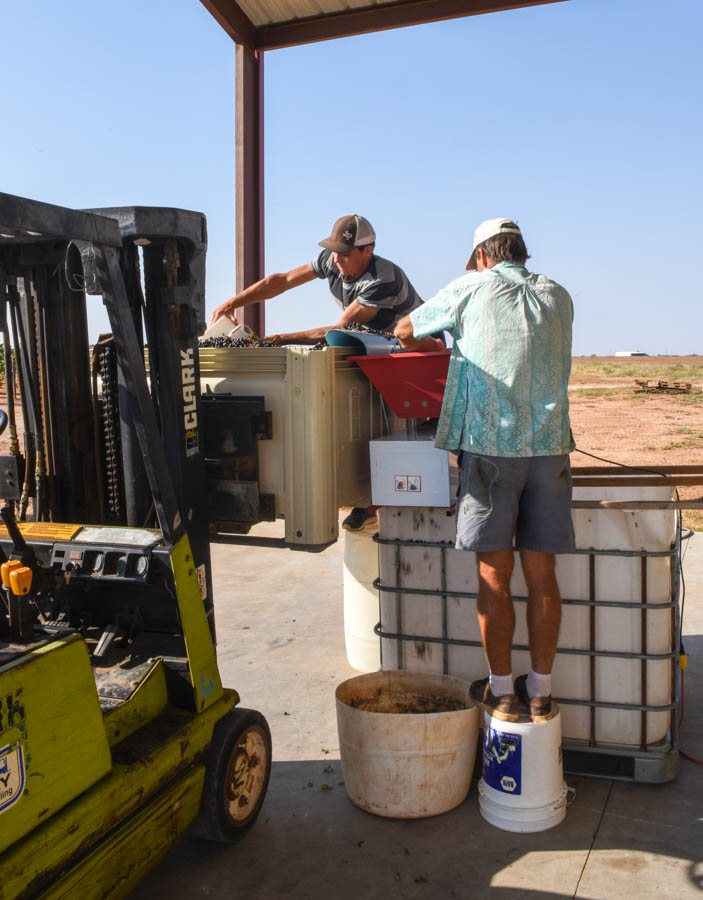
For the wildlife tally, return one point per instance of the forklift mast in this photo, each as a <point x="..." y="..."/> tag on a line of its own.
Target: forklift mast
<point x="166" y="295"/>
<point x="105" y="442"/>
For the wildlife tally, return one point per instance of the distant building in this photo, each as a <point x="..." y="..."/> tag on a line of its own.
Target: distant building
<point x="631" y="353"/>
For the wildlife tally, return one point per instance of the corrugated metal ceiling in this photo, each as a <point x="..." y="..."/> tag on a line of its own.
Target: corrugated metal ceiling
<point x="268" y="24"/>
<point x="268" y="12"/>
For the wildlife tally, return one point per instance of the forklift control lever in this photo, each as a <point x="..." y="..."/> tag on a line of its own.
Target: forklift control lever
<point x="6" y="570"/>
<point x="22" y="550"/>
<point x="21" y="580"/>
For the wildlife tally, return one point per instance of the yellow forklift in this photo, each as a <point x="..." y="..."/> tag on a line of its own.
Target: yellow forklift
<point x="115" y="731"/>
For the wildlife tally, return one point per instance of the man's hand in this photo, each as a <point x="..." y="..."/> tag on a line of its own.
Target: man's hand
<point x="225" y="309"/>
<point x="273" y="339"/>
<point x="404" y="331"/>
<point x="406" y="335"/>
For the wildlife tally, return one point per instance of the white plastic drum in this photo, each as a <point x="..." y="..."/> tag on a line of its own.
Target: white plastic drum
<point x="522" y="786"/>
<point x="361" y="599"/>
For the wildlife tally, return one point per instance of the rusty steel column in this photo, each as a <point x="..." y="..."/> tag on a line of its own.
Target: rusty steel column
<point x="249" y="163"/>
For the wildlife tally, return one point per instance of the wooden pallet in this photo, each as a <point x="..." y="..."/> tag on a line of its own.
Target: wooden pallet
<point x="664" y="387"/>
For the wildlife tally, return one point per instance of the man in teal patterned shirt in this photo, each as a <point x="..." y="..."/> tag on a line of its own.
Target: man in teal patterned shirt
<point x="506" y="412"/>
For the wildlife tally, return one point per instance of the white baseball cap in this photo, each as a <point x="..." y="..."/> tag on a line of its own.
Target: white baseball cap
<point x="488" y="229"/>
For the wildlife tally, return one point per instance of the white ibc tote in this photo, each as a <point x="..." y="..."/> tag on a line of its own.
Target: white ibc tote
<point x="416" y="570"/>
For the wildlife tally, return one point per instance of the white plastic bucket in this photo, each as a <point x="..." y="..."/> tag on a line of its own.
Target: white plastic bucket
<point x="223" y="327"/>
<point x="522" y="785"/>
<point x="361" y="599"/>
<point x="402" y="764"/>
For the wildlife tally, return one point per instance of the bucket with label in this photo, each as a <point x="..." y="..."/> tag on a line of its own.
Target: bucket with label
<point x="522" y="786"/>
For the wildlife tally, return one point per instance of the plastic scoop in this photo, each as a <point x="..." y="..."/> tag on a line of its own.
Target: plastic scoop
<point x="223" y="327"/>
<point x="360" y="342"/>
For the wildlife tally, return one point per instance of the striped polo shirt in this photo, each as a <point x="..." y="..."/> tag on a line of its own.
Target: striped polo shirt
<point x="383" y="285"/>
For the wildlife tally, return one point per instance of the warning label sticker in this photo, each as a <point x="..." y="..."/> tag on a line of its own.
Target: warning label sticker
<point x="408" y="483"/>
<point x="202" y="580"/>
<point x="44" y="531"/>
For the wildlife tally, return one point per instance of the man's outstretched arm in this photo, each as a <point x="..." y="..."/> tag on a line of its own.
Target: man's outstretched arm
<point x="268" y="287"/>
<point x="355" y="312"/>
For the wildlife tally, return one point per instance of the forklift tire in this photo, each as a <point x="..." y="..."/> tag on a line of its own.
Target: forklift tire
<point x="238" y="766"/>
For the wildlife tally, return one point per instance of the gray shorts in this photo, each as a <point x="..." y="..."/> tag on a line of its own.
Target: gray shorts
<point x="528" y="499"/>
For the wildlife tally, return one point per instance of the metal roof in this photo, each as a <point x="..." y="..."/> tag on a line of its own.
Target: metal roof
<point x="269" y="24"/>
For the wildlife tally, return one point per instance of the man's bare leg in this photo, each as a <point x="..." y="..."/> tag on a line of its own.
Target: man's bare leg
<point x="543" y="608"/>
<point x="496" y="617"/>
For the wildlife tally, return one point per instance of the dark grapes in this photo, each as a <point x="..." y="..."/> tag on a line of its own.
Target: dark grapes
<point x="223" y="342"/>
<point x="364" y="329"/>
<point x="252" y="340"/>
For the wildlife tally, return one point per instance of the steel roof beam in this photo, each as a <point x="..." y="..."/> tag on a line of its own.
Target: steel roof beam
<point x="230" y="16"/>
<point x="249" y="180"/>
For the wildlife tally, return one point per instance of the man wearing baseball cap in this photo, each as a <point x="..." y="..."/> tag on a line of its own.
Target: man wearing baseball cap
<point x="506" y="412"/>
<point x="370" y="290"/>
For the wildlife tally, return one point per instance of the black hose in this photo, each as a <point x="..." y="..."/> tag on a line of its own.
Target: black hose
<point x="9" y="374"/>
<point x="31" y="403"/>
<point x="18" y="369"/>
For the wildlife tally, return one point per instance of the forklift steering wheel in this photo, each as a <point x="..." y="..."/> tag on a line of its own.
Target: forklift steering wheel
<point x="3" y="420"/>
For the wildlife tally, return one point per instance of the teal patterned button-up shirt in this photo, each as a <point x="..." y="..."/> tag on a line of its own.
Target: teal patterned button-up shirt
<point x="506" y="391"/>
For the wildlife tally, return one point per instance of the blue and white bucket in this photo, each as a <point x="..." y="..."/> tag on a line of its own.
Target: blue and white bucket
<point x="522" y="786"/>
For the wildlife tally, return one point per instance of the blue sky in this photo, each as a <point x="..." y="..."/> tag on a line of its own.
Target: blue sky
<point x="582" y="120"/>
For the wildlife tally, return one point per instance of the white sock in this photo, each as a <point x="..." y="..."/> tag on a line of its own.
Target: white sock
<point x="501" y="685"/>
<point x="538" y="685"/>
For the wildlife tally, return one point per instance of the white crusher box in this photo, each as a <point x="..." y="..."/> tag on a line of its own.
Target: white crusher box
<point x="408" y="470"/>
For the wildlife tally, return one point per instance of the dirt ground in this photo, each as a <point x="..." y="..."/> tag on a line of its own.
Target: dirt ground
<point x="610" y="419"/>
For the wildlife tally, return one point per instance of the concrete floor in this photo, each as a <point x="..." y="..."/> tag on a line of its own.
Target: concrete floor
<point x="281" y="644"/>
